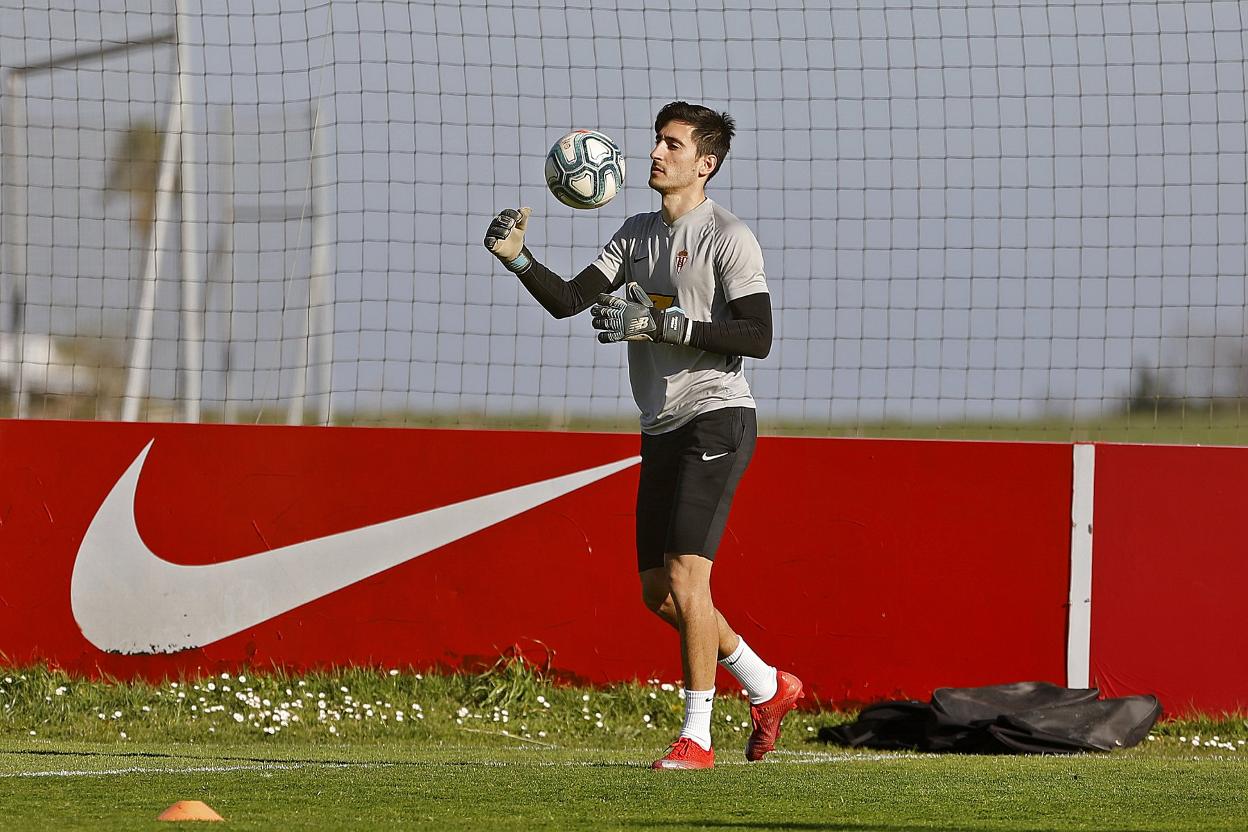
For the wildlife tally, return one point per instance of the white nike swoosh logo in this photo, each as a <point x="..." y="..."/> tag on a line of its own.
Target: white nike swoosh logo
<point x="708" y="457"/>
<point x="127" y="599"/>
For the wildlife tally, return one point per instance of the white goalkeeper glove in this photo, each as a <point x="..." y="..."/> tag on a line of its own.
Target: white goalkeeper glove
<point x="505" y="238"/>
<point x="637" y="319"/>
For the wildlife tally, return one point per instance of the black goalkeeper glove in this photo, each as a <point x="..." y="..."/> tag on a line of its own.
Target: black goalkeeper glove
<point x="637" y="319"/>
<point x="505" y="238"/>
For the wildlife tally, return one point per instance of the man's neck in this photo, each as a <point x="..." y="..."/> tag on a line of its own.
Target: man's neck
<point x="676" y="205"/>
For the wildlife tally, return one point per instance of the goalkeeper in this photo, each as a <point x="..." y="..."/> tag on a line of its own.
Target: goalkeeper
<point x="694" y="303"/>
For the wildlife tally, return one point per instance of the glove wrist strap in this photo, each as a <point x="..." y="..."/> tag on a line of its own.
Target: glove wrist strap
<point x="521" y="262"/>
<point x="677" y="328"/>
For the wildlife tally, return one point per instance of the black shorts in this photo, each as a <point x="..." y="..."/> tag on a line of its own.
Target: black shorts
<point x="688" y="477"/>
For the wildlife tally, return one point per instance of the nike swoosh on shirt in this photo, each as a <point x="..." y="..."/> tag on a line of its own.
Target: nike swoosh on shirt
<point x="127" y="599"/>
<point x="708" y="457"/>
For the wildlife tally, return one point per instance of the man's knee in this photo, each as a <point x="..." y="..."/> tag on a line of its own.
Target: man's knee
<point x="656" y="593"/>
<point x="689" y="577"/>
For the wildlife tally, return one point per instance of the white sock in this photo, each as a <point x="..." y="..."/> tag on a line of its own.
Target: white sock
<point x="755" y="675"/>
<point x="697" y="725"/>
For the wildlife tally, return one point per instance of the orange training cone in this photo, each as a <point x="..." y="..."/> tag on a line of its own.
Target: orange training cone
<point x="189" y="810"/>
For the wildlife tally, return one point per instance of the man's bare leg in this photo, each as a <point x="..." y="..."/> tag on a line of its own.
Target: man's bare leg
<point x="772" y="694"/>
<point x="688" y="579"/>
<point x="697" y="619"/>
<point x="656" y="593"/>
<point x="756" y="676"/>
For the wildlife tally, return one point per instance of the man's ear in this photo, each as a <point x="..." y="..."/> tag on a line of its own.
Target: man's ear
<point x="706" y="165"/>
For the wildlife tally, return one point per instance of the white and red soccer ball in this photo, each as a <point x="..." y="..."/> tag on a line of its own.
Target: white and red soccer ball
<point x="585" y="169"/>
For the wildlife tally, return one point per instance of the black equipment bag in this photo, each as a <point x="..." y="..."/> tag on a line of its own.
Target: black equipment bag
<point x="1020" y="718"/>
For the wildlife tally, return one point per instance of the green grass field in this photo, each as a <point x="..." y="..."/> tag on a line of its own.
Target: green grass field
<point x="508" y="749"/>
<point x="491" y="785"/>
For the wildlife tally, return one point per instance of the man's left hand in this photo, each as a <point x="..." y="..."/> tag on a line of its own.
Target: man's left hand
<point x="637" y="319"/>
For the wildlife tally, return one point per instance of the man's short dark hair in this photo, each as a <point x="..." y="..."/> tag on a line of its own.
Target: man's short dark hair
<point x="712" y="131"/>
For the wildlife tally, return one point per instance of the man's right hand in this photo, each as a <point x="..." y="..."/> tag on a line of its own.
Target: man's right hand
<point x="505" y="238"/>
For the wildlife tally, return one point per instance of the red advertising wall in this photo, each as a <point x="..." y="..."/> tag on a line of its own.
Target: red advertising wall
<point x="1170" y="567"/>
<point x="872" y="568"/>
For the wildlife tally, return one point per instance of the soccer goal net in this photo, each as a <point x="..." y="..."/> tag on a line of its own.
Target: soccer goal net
<point x="986" y="218"/>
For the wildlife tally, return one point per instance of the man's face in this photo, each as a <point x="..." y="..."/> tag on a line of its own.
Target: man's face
<point x="675" y="163"/>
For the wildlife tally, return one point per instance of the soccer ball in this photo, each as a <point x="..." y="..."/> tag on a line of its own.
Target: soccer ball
<point x="585" y="169"/>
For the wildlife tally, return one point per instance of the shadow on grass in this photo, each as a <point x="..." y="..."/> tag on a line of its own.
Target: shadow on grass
<point x="163" y="755"/>
<point x="901" y="826"/>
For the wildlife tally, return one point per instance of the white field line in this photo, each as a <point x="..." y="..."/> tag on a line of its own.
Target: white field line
<point x="807" y="757"/>
<point x="793" y="757"/>
<point x="106" y="772"/>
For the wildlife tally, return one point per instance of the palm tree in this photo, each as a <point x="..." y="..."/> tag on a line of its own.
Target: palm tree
<point x="135" y="172"/>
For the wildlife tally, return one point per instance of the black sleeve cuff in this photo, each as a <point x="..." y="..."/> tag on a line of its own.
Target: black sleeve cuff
<point x="748" y="333"/>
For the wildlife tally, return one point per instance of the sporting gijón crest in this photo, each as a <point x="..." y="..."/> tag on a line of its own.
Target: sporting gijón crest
<point x="682" y="257"/>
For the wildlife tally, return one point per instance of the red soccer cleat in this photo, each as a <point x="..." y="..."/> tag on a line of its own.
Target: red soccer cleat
<point x="768" y="716"/>
<point x="684" y="754"/>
